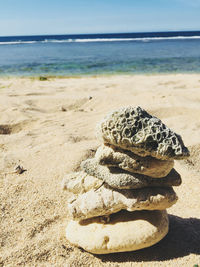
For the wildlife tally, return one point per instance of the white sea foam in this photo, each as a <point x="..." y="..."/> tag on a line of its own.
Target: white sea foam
<point x="143" y="39"/>
<point x="18" y="42"/>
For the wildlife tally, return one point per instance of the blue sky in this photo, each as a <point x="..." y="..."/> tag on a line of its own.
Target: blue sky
<point x="32" y="17"/>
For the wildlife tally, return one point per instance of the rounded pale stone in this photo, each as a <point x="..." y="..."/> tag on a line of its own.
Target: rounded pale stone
<point x="112" y="156"/>
<point x="107" y="200"/>
<point x="118" y="178"/>
<point x="126" y="231"/>
<point x="132" y="128"/>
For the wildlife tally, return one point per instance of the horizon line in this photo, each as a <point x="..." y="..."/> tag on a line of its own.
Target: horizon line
<point x="98" y="33"/>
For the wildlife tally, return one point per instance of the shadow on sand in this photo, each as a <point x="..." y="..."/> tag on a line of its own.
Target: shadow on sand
<point x="183" y="238"/>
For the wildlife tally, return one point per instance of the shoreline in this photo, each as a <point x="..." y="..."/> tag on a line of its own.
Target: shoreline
<point x="35" y="77"/>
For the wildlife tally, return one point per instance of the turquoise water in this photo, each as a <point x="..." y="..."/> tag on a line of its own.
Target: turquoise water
<point x="93" y="56"/>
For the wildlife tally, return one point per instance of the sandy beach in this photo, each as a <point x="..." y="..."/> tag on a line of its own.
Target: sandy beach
<point x="48" y="127"/>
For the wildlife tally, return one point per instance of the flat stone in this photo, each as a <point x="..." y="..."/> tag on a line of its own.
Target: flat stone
<point x="132" y="128"/>
<point x="126" y="231"/>
<point x="80" y="182"/>
<point x="106" y="201"/>
<point x="118" y="178"/>
<point x="112" y="156"/>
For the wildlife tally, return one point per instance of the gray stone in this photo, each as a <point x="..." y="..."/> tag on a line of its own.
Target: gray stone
<point x="118" y="178"/>
<point x="112" y="156"/>
<point x="132" y="128"/>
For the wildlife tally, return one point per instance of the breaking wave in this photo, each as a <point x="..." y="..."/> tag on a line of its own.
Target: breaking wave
<point x="82" y="40"/>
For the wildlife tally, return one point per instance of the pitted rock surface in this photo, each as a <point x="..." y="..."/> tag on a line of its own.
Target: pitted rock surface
<point x="112" y="156"/>
<point x="134" y="129"/>
<point x="80" y="182"/>
<point x="126" y="231"/>
<point x="118" y="178"/>
<point x="106" y="201"/>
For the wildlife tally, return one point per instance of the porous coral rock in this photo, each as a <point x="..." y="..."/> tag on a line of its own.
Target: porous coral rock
<point x="80" y="182"/>
<point x="118" y="178"/>
<point x="112" y="156"/>
<point x="132" y="128"/>
<point x="126" y="231"/>
<point x="106" y="200"/>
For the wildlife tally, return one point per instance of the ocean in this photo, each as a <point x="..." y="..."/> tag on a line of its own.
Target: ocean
<point x="95" y="54"/>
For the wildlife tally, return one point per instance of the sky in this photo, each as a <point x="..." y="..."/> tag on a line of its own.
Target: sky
<point x="38" y="17"/>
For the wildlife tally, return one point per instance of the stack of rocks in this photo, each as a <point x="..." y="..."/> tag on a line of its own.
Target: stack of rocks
<point x="120" y="197"/>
